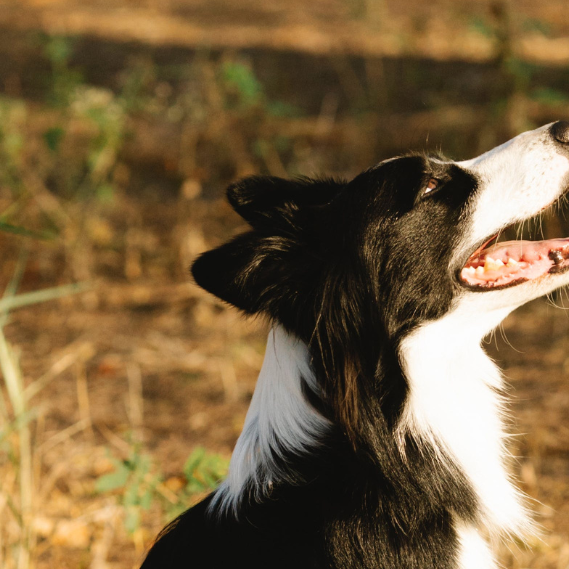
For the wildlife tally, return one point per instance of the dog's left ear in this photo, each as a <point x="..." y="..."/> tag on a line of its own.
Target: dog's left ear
<point x="272" y="268"/>
<point x="268" y="201"/>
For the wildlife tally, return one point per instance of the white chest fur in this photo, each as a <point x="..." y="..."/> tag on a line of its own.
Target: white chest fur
<point x="455" y="404"/>
<point x="279" y="421"/>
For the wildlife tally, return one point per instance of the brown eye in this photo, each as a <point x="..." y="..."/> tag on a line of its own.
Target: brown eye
<point x="432" y="185"/>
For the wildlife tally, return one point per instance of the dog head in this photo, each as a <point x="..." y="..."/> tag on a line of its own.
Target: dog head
<point x="351" y="268"/>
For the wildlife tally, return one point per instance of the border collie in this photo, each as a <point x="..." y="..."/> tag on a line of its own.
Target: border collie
<point x="375" y="436"/>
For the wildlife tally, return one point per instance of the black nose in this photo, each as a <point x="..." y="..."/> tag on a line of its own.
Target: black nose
<point x="560" y="131"/>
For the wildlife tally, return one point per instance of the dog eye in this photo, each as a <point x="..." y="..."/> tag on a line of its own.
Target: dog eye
<point x="433" y="184"/>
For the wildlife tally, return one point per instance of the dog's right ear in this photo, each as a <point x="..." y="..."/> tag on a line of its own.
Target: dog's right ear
<point x="273" y="267"/>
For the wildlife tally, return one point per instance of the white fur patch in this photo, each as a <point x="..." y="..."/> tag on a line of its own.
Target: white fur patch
<point x="474" y="552"/>
<point x="279" y="421"/>
<point x="453" y="403"/>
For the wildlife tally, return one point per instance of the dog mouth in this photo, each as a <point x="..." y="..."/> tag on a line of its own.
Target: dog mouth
<point x="510" y="263"/>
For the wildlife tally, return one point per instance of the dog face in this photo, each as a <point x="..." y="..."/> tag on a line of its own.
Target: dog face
<point x="401" y="242"/>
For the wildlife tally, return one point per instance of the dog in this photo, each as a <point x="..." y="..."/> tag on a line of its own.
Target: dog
<point x="375" y="437"/>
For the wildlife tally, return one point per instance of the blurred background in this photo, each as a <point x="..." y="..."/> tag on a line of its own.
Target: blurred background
<point x="121" y="123"/>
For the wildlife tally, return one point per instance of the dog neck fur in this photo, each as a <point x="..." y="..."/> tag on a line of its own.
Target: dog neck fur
<point x="455" y="404"/>
<point x="279" y="422"/>
<point x="474" y="552"/>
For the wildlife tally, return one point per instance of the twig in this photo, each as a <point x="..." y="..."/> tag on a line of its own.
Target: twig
<point x="136" y="401"/>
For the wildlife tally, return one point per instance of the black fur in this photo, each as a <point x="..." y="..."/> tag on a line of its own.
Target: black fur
<point x="350" y="268"/>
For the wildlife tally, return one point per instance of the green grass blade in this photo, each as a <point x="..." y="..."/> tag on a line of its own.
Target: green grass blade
<point x="27" y="298"/>
<point x="15" y="388"/>
<point x="14" y="283"/>
<point x="9" y="228"/>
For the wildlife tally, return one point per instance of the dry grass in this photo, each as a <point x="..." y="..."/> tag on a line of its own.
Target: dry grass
<point x="157" y="368"/>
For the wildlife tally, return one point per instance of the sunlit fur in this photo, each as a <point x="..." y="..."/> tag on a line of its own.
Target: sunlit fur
<point x="376" y="436"/>
<point x="280" y="422"/>
<point x="456" y="403"/>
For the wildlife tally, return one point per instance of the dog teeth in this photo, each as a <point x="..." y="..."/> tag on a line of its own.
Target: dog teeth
<point x="479" y="271"/>
<point x="512" y="264"/>
<point x="492" y="264"/>
<point x="470" y="271"/>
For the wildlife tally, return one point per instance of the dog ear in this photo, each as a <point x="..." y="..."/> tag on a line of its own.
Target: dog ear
<point x="271" y="268"/>
<point x="242" y="272"/>
<point x="264" y="201"/>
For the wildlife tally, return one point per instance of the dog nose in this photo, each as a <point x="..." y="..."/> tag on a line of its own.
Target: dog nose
<point x="560" y="131"/>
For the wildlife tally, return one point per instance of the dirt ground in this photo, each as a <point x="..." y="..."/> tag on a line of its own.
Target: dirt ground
<point x="440" y="29"/>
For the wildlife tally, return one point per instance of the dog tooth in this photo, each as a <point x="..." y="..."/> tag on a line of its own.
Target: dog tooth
<point x="512" y="263"/>
<point x="491" y="264"/>
<point x="479" y="271"/>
